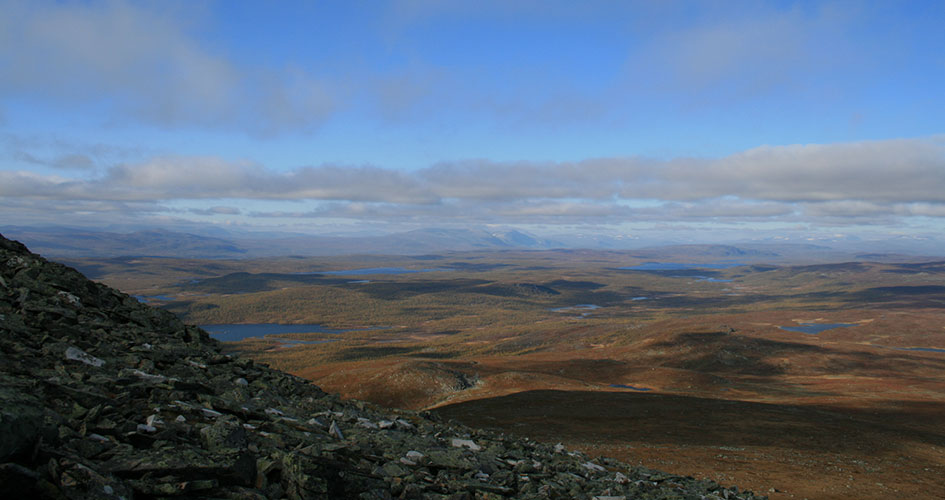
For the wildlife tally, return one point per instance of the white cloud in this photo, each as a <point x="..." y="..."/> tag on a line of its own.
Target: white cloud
<point x="216" y="210"/>
<point x="141" y="61"/>
<point x="58" y="153"/>
<point x="878" y="179"/>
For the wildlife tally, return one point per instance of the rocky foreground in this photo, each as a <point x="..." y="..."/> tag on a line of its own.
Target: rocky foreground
<point x="104" y="397"/>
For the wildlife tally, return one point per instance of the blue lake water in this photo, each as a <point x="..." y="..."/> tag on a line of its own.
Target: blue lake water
<point x="234" y="333"/>
<point x="589" y="307"/>
<point x="815" y="328"/>
<point x="151" y="298"/>
<point x="640" y="298"/>
<point x="712" y="280"/>
<point x="632" y="388"/>
<point x="378" y="270"/>
<point x="585" y="309"/>
<point x="925" y="349"/>
<point x="677" y="266"/>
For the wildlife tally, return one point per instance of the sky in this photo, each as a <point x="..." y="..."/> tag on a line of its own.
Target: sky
<point x="698" y="120"/>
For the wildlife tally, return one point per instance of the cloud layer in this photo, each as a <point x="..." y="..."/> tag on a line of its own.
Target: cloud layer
<point x="895" y="178"/>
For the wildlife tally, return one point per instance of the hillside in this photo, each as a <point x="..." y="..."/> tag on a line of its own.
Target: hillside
<point x="103" y="397"/>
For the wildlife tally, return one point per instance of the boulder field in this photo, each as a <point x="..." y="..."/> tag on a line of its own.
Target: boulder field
<point x="102" y="397"/>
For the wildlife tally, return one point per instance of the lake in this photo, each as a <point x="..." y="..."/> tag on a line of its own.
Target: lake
<point x="585" y="307"/>
<point x="632" y="388"/>
<point x="677" y="266"/>
<point x="152" y="298"/>
<point x="712" y="280"/>
<point x="378" y="270"/>
<point x="925" y="349"/>
<point x="815" y="328"/>
<point x="234" y="333"/>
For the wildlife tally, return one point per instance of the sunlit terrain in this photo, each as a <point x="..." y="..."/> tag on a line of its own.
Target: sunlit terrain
<point x="728" y="368"/>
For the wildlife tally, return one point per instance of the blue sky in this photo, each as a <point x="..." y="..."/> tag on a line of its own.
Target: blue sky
<point x="743" y="119"/>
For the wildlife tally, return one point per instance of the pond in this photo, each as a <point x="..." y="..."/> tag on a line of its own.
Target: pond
<point x="815" y="328"/>
<point x="677" y="266"/>
<point x="631" y="387"/>
<point x="712" y="280"/>
<point x="378" y="270"/>
<point x="582" y="307"/>
<point x="924" y="349"/>
<point x="237" y="332"/>
<point x="153" y="298"/>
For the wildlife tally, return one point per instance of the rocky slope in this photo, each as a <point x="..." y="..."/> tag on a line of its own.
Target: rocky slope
<point x="103" y="397"/>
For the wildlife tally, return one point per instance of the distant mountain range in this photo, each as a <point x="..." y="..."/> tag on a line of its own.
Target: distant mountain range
<point x="74" y="243"/>
<point x="67" y="242"/>
<point x="64" y="242"/>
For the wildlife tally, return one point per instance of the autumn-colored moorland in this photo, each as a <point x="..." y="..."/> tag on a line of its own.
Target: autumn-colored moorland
<point x="684" y="368"/>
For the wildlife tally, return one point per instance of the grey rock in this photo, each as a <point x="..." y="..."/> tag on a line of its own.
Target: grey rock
<point x="465" y="443"/>
<point x="334" y="430"/>
<point x="159" y="411"/>
<point x="76" y="354"/>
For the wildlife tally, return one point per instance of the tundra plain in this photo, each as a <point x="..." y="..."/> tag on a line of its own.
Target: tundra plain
<point x="676" y="358"/>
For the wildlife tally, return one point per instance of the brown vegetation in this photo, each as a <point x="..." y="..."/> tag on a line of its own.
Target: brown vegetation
<point x="847" y="413"/>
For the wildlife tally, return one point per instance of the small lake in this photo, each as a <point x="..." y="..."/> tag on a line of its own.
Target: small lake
<point x="815" y="328"/>
<point x="586" y="307"/>
<point x="924" y="349"/>
<point x="631" y="387"/>
<point x="712" y="280"/>
<point x="677" y="266"/>
<point x="378" y="270"/>
<point x="153" y="298"/>
<point x="234" y="333"/>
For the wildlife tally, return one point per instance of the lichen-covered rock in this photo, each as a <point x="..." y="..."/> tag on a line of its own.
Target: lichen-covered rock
<point x="102" y="397"/>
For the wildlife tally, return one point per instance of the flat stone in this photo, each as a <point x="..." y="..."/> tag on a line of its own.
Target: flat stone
<point x="76" y="354"/>
<point x="465" y="443"/>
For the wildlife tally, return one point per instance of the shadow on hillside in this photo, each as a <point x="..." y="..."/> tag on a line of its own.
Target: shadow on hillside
<point x="721" y="353"/>
<point x="917" y="296"/>
<point x="661" y="419"/>
<point x="243" y="282"/>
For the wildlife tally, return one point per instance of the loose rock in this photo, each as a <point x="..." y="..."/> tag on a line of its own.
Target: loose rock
<point x="104" y="397"/>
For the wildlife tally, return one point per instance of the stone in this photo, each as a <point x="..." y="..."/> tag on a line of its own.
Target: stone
<point x="334" y="430"/>
<point x="159" y="411"/>
<point x="223" y="435"/>
<point x="593" y="467"/>
<point x="22" y="424"/>
<point x="366" y="423"/>
<point x="76" y="354"/>
<point x="465" y="443"/>
<point x="146" y="428"/>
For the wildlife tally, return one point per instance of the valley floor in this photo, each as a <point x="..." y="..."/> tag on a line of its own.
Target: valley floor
<point x="797" y="381"/>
